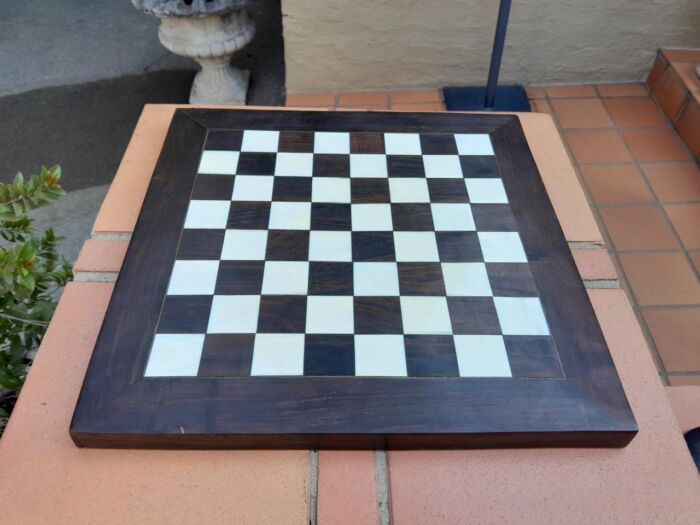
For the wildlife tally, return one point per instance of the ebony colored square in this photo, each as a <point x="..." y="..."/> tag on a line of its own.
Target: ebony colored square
<point x="185" y="314"/>
<point x="228" y="140"/>
<point x="282" y="314"/>
<point x="200" y="244"/>
<point x="479" y="166"/>
<point x="329" y="216"/>
<point x="287" y="245"/>
<point x="511" y="280"/>
<point x="493" y="218"/>
<point x="459" y="247"/>
<point x="226" y="355"/>
<point x="328" y="165"/>
<point x="329" y="355"/>
<point x="330" y="278"/>
<point x="431" y="356"/>
<point x="438" y="144"/>
<point x="532" y="356"/>
<point x="240" y="278"/>
<point x="367" y="142"/>
<point x="213" y="187"/>
<point x="473" y="315"/>
<point x="296" y="142"/>
<point x="249" y="215"/>
<point x="373" y="247"/>
<point x="378" y="315"/>
<point x="447" y="190"/>
<point x="412" y="217"/>
<point x="405" y="166"/>
<point x="296" y="189"/>
<point x="366" y="191"/>
<point x="421" y="279"/>
<point x="256" y="163"/>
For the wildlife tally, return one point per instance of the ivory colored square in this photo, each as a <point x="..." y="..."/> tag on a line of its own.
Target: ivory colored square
<point x="502" y="247"/>
<point x="252" y="188"/>
<point x="521" y="316"/>
<point x="332" y="142"/>
<point x="368" y="165"/>
<point x="278" y="355"/>
<point x="466" y="279"/>
<point x="402" y="144"/>
<point x="329" y="315"/>
<point x="260" y="141"/>
<point x="294" y="164"/>
<point x="330" y="189"/>
<point x="215" y="162"/>
<point x="380" y="355"/>
<point x="244" y="245"/>
<point x="473" y="144"/>
<point x="175" y="355"/>
<point x="207" y="214"/>
<point x="482" y="356"/>
<point x="442" y="166"/>
<point x="234" y="314"/>
<point x="408" y="190"/>
<point x="193" y="278"/>
<point x="452" y="217"/>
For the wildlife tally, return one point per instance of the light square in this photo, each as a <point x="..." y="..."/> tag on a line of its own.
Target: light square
<point x="502" y="247"/>
<point x="473" y="144"/>
<point x="402" y="144"/>
<point x="376" y="278"/>
<point x="452" y="217"/>
<point x="244" y="245"/>
<point x="285" y="278"/>
<point x="215" y="162"/>
<point x="330" y="246"/>
<point x="290" y="216"/>
<point x="331" y="142"/>
<point x="416" y="247"/>
<point x="482" y="356"/>
<point x="442" y="166"/>
<point x="521" y="316"/>
<point x="294" y="164"/>
<point x="466" y="279"/>
<point x="368" y="165"/>
<point x="252" y="188"/>
<point x="380" y="355"/>
<point x="425" y="315"/>
<point x="409" y="190"/>
<point x="278" y="355"/>
<point x="193" y="278"/>
<point x="207" y="214"/>
<point x="330" y="189"/>
<point x="260" y="141"/>
<point x="371" y="217"/>
<point x="234" y="314"/>
<point x="329" y="315"/>
<point x="486" y="191"/>
<point x="175" y="355"/>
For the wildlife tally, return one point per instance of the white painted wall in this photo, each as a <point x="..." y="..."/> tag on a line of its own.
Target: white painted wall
<point x="366" y="44"/>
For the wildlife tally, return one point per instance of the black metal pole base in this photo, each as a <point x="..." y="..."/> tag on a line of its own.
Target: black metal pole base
<point x="471" y="98"/>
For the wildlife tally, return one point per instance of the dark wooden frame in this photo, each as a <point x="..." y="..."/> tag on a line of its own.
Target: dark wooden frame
<point x="118" y="407"/>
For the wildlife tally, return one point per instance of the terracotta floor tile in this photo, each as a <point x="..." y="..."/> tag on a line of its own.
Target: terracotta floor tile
<point x="670" y="93"/>
<point x="657" y="72"/>
<point x="686" y="380"/>
<point x="540" y="105"/>
<point x="364" y="98"/>
<point x="311" y="100"/>
<point x="638" y="228"/>
<point x="571" y="91"/>
<point x="695" y="257"/>
<point x="594" y="264"/>
<point x="655" y="144"/>
<point x="676" y="332"/>
<point x="581" y="113"/>
<point x="410" y="97"/>
<point x="661" y="278"/>
<point x="535" y="91"/>
<point x="674" y="181"/>
<point x="597" y="146"/>
<point x="681" y="55"/>
<point x="622" y="90"/>
<point x="620" y="184"/>
<point x="346" y="487"/>
<point x="636" y="111"/>
<point x="423" y="106"/>
<point x="688" y="126"/>
<point x="686" y="72"/>
<point x="686" y="221"/>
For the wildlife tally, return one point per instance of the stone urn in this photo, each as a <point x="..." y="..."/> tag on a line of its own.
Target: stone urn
<point x="209" y="31"/>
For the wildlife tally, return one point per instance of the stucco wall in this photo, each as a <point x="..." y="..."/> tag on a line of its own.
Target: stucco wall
<point x="365" y="44"/>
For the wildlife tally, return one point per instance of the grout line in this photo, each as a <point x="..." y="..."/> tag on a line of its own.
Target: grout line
<point x="381" y="476"/>
<point x="690" y="373"/>
<point x="313" y="488"/>
<point x="111" y="236"/>
<point x="586" y="245"/>
<point x="95" y="277"/>
<point x="593" y="284"/>
<point x="669" y="306"/>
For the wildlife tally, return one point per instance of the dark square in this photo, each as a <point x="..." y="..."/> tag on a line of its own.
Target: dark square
<point x="327" y="165"/>
<point x="330" y="278"/>
<point x="438" y="144"/>
<point x="431" y="356"/>
<point x="532" y="356"/>
<point x="256" y="163"/>
<point x="421" y="279"/>
<point x="405" y="166"/>
<point x="378" y="315"/>
<point x="447" y="190"/>
<point x="493" y="218"/>
<point x="459" y="247"/>
<point x="412" y="217"/>
<point x="249" y="215"/>
<point x="226" y="355"/>
<point x="329" y="216"/>
<point x="366" y="191"/>
<point x="367" y="142"/>
<point x="213" y="187"/>
<point x="296" y="142"/>
<point x="473" y="315"/>
<point x="297" y="189"/>
<point x="282" y="314"/>
<point x="373" y="246"/>
<point x="240" y="278"/>
<point x="329" y="355"/>
<point x="229" y="140"/>
<point x="200" y="244"/>
<point x="287" y="245"/>
<point x="511" y="280"/>
<point x="479" y="166"/>
<point x="185" y="314"/>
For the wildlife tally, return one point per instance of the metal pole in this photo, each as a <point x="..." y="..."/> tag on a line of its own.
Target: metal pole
<point x="498" y="43"/>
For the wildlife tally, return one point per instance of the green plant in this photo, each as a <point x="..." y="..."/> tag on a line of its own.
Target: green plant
<point x="31" y="272"/>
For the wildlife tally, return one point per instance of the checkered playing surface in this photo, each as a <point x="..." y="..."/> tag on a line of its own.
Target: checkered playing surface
<point x="366" y="254"/>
